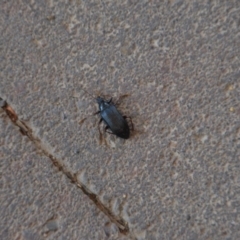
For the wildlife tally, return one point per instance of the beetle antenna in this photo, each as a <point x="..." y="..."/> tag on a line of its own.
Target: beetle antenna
<point x="88" y="93"/>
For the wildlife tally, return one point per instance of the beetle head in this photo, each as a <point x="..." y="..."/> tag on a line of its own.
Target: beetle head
<point x="102" y="103"/>
<point x="100" y="100"/>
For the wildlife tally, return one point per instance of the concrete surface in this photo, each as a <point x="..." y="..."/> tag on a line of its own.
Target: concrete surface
<point x="39" y="203"/>
<point x="177" y="177"/>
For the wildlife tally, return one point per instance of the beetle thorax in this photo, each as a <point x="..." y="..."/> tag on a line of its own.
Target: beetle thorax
<point x="102" y="103"/>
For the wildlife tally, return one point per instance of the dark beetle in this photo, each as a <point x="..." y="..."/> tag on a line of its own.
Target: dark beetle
<point x="114" y="120"/>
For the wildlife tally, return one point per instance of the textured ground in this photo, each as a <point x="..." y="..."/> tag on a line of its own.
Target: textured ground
<point x="177" y="177"/>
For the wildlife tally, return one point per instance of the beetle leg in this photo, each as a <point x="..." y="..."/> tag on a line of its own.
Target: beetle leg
<point x="100" y="133"/>
<point x="99" y="123"/>
<point x="110" y="100"/>
<point x="96" y="112"/>
<point x="99" y="126"/>
<point x="132" y="126"/>
<point x="106" y="128"/>
<point x="83" y="120"/>
<point x="121" y="98"/>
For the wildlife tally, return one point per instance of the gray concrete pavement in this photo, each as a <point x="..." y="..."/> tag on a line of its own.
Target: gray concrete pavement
<point x="177" y="177"/>
<point x="38" y="202"/>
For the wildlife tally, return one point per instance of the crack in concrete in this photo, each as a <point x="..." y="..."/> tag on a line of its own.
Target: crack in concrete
<point x="26" y="130"/>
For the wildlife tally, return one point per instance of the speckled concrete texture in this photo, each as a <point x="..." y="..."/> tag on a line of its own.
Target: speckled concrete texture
<point x="178" y="176"/>
<point x="37" y="202"/>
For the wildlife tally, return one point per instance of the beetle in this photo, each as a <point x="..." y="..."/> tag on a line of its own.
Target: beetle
<point x="113" y="119"/>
